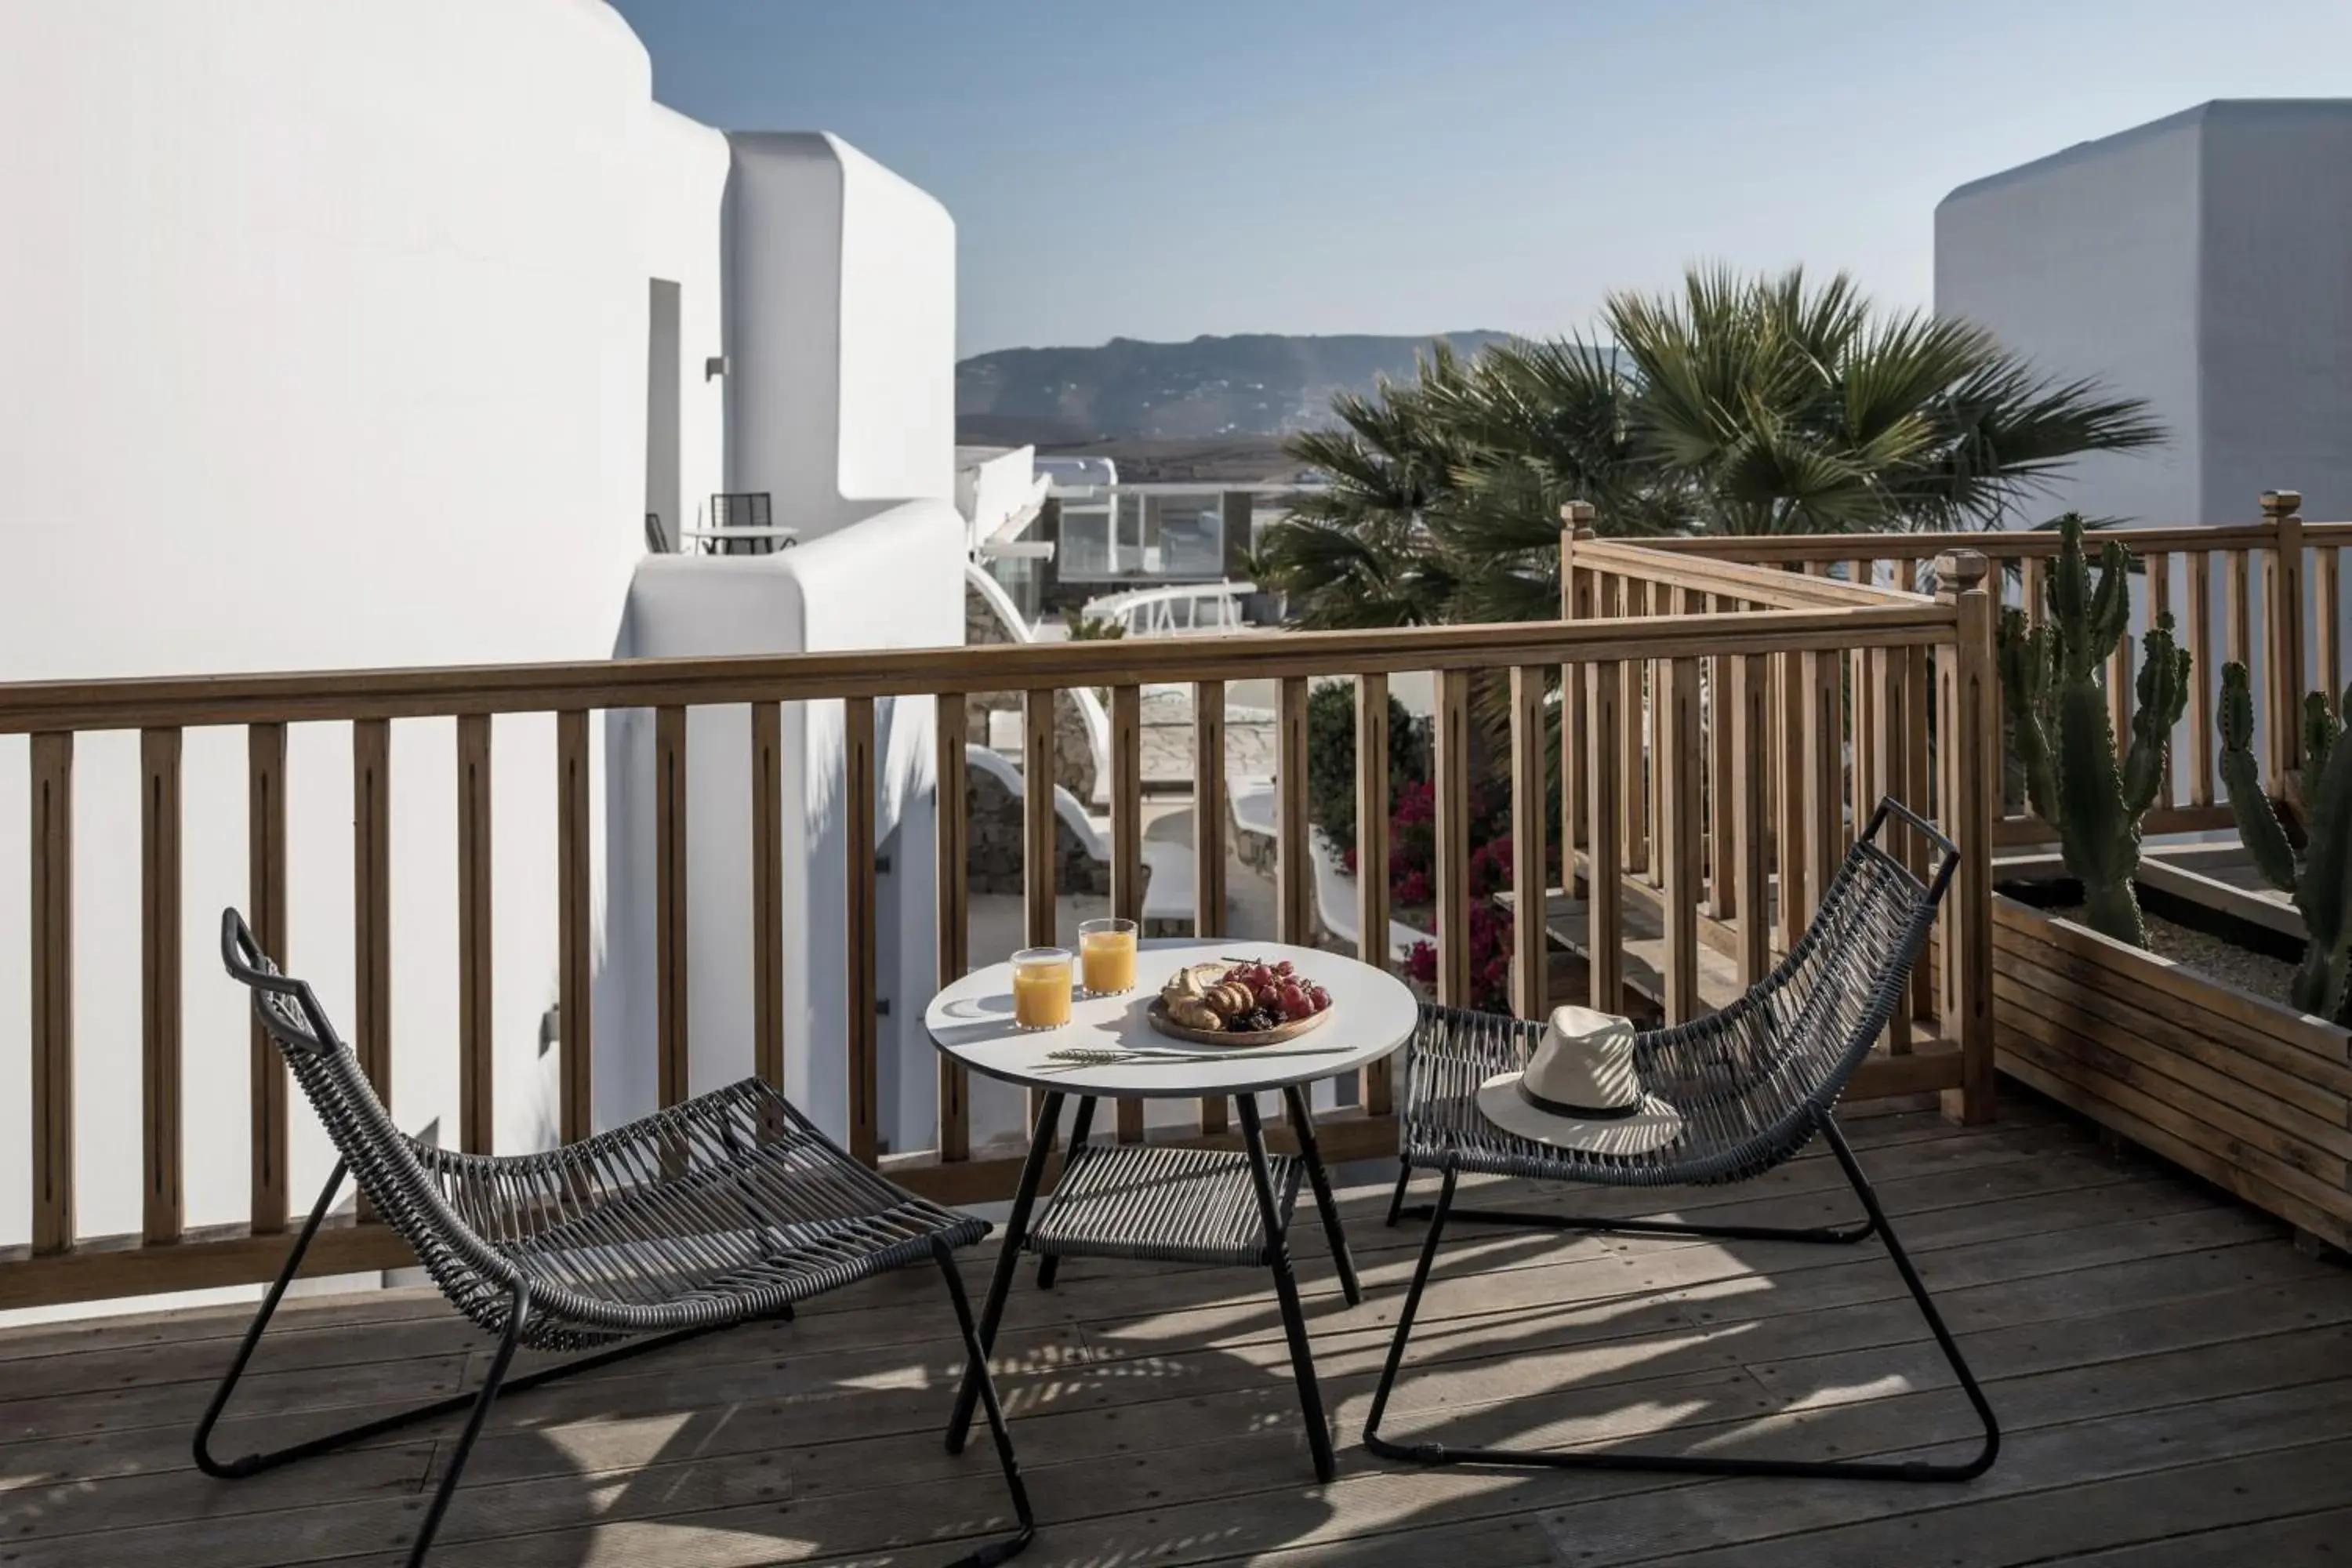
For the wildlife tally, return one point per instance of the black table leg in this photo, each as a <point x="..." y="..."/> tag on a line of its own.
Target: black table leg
<point x="1285" y="1291"/>
<point x="1000" y="1285"/>
<point x="1080" y="1125"/>
<point x="1302" y="1118"/>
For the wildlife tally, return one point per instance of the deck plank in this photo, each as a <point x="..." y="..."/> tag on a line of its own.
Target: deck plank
<point x="2165" y="1363"/>
<point x="2316" y="1537"/>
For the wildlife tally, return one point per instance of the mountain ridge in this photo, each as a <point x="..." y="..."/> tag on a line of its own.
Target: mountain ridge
<point x="1210" y="386"/>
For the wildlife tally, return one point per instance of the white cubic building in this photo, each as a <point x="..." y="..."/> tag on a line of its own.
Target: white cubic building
<point x="2202" y="262"/>
<point x="373" y="334"/>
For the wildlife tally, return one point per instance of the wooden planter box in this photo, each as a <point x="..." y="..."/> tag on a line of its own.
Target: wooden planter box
<point x="2242" y="1091"/>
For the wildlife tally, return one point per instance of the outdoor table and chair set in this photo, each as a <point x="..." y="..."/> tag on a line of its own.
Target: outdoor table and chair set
<point x="734" y="1205"/>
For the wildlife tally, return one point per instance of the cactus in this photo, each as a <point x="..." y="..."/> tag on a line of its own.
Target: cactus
<point x="2320" y="878"/>
<point x="2052" y="678"/>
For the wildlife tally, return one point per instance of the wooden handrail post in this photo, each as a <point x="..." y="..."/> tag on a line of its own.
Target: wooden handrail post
<point x="1208" y="840"/>
<point x="862" y="1036"/>
<point x="1678" y="764"/>
<point x="671" y="1040"/>
<point x="265" y="838"/>
<point x="950" y="735"/>
<point x="1788" y="761"/>
<point x="1881" y="671"/>
<point x="2327" y="606"/>
<point x="768" y="891"/>
<point x="1604" y="884"/>
<point x="1575" y="604"/>
<point x="1971" y="761"/>
<point x="1633" y="779"/>
<point x="1531" y="802"/>
<point x="476" y="1026"/>
<point x="52" y="988"/>
<point x="1125" y="844"/>
<point x="1746" y="726"/>
<point x="372" y="902"/>
<point x="1293" y="871"/>
<point x="2203" y="674"/>
<point x="160" y="981"/>
<point x="1822" y="789"/>
<point x="1919" y="782"/>
<point x="1372" y="858"/>
<point x="1040" y="835"/>
<point x="2237" y="632"/>
<point x="2282" y="510"/>
<point x="1722" y="764"/>
<point x="575" y="960"/>
<point x="2159" y="604"/>
<point x="1452" y="789"/>
<point x="1665" y="602"/>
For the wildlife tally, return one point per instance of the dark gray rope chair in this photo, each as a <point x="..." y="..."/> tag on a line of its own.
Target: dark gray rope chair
<point x="1755" y="1083"/>
<point x="727" y="1207"/>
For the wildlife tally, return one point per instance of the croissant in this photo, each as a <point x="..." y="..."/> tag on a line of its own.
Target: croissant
<point x="1195" y="1014"/>
<point x="1229" y="1000"/>
<point x="1193" y="980"/>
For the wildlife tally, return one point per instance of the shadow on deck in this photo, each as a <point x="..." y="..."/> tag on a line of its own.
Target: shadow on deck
<point x="2170" y="1373"/>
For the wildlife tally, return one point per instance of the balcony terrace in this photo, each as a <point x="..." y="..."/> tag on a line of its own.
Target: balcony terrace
<point x="2170" y="1371"/>
<point x="2167" y="1366"/>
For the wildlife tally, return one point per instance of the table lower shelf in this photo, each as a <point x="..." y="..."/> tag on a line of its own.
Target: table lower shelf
<point x="1164" y="1206"/>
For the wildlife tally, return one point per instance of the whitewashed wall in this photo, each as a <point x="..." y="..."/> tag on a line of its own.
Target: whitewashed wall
<point x="2087" y="263"/>
<point x="324" y="331"/>
<point x="842" y="294"/>
<point x="895" y="580"/>
<point x="2276" y="312"/>
<point x="2199" y="261"/>
<point x="2203" y="262"/>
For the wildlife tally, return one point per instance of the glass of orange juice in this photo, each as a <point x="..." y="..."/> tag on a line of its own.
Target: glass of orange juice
<point x="1106" y="956"/>
<point x="1040" y="987"/>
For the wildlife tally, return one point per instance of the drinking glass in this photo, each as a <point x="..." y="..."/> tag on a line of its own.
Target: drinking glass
<point x="1106" y="956"/>
<point x="1040" y="987"/>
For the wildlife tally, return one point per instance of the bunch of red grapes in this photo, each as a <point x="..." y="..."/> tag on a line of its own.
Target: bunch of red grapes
<point x="1283" y="995"/>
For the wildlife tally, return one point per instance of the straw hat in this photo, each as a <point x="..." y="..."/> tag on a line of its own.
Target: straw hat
<point x="1580" y="1090"/>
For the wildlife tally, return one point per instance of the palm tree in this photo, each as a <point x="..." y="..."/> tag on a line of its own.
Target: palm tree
<point x="1359" y="553"/>
<point x="1732" y="406"/>
<point x="1803" y="411"/>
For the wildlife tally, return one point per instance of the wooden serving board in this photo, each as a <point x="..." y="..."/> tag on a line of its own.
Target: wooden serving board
<point x="1158" y="1014"/>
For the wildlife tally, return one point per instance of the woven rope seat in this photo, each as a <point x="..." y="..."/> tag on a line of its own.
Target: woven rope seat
<point x="1754" y="1084"/>
<point x="729" y="1207"/>
<point x="1749" y="1080"/>
<point x="1162" y="1205"/>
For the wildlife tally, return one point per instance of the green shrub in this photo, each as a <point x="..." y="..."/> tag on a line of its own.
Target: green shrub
<point x="1331" y="759"/>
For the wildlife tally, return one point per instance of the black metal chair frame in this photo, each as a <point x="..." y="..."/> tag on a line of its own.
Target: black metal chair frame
<point x="1808" y="1115"/>
<point x="1276" y="1257"/>
<point x="744" y="509"/>
<point x="492" y="1286"/>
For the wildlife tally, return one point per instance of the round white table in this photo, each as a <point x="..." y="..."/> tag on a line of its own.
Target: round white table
<point x="1142" y="1200"/>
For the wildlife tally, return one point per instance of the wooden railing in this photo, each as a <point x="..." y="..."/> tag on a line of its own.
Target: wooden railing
<point x="1684" y="678"/>
<point x="2268" y="595"/>
<point x="1734" y="785"/>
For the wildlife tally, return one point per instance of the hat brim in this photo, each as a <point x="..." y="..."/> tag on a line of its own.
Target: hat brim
<point x="1652" y="1127"/>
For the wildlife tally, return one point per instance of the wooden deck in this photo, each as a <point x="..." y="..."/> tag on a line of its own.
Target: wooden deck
<point x="2175" y="1378"/>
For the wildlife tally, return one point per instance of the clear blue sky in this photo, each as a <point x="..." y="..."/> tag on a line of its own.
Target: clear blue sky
<point x="1163" y="170"/>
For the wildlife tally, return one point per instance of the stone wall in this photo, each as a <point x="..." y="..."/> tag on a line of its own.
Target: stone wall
<point x="995" y="825"/>
<point x="1074" y="752"/>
